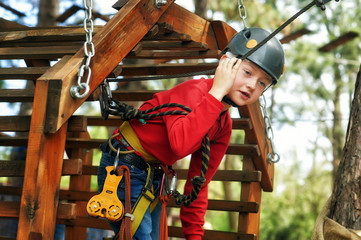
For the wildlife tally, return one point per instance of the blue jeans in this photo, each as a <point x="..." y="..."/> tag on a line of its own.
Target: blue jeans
<point x="149" y="227"/>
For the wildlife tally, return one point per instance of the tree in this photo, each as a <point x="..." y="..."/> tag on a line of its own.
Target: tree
<point x="346" y="195"/>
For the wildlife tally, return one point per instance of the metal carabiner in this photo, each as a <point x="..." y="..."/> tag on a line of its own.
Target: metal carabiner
<point x="116" y="160"/>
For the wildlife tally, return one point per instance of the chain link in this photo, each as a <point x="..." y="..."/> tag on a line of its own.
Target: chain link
<point x="89" y="52"/>
<point x="273" y="156"/>
<point x="242" y="12"/>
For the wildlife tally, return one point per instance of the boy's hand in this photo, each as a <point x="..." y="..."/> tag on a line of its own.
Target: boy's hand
<point x="224" y="77"/>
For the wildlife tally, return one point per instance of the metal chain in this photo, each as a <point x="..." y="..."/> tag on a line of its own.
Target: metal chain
<point x="89" y="52"/>
<point x="242" y="12"/>
<point x="272" y="156"/>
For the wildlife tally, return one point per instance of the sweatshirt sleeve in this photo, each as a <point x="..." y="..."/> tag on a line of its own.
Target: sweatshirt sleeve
<point x="186" y="132"/>
<point x="192" y="217"/>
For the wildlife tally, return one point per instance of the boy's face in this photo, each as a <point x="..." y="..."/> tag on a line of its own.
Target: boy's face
<point x="249" y="84"/>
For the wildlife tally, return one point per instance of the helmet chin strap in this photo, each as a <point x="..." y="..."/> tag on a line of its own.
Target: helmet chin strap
<point x="227" y="100"/>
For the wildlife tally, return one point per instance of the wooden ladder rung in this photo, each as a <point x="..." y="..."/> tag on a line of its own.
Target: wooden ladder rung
<point x="47" y="52"/>
<point x="224" y="205"/>
<point x="26" y="73"/>
<point x="16" y="95"/>
<point x="173" y="45"/>
<point x="212" y="234"/>
<point x="22" y="123"/>
<point x="16" y="168"/>
<point x="66" y="211"/>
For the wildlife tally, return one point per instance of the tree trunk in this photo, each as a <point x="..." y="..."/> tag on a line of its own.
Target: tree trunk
<point x="48" y="12"/>
<point x="201" y="7"/>
<point x="346" y="197"/>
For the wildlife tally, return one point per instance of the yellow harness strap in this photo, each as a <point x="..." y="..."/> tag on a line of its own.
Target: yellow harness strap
<point x="129" y="134"/>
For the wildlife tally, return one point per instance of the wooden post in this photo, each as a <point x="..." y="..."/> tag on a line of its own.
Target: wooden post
<point x="44" y="160"/>
<point x="250" y="192"/>
<point x="79" y="183"/>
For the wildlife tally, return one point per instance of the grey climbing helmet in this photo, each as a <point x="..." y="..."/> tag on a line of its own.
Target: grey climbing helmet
<point x="270" y="57"/>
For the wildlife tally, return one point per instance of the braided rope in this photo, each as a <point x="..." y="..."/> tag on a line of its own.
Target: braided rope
<point x="127" y="112"/>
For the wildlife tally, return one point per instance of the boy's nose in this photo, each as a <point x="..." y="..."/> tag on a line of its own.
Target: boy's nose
<point x="252" y="83"/>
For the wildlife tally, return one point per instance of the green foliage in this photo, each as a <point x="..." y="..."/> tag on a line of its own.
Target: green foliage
<point x="290" y="213"/>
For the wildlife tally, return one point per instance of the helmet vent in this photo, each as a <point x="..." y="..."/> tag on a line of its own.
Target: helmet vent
<point x="247" y="33"/>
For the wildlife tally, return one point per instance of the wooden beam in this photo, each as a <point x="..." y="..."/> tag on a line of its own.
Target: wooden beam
<point x="186" y="22"/>
<point x="257" y="136"/>
<point x="223" y="33"/>
<point x="48" y="52"/>
<point x="295" y="35"/>
<point x="176" y="54"/>
<point x="338" y="41"/>
<point x="111" y="44"/>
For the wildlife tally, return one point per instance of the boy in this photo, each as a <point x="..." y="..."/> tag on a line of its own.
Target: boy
<point x="164" y="140"/>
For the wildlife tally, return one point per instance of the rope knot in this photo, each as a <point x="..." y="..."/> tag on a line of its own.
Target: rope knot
<point x="198" y="181"/>
<point x="128" y="112"/>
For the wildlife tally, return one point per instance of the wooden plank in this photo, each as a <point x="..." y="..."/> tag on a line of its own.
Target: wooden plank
<point x="165" y="69"/>
<point x="212" y="234"/>
<point x="177" y="54"/>
<point x="65" y="211"/>
<point x="174" y="45"/>
<point x="225" y="205"/>
<point x="223" y="33"/>
<point x="45" y="34"/>
<point x="294" y="35"/>
<point x="22" y="124"/>
<point x="16" y="95"/>
<point x="47" y="52"/>
<point x="27" y="73"/>
<point x="184" y="21"/>
<point x="257" y="136"/>
<point x="338" y="41"/>
<point x="112" y="44"/>
<point x="133" y="95"/>
<point x="227" y="175"/>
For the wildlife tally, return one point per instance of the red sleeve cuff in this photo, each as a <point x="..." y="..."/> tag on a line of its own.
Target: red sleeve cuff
<point x="215" y="101"/>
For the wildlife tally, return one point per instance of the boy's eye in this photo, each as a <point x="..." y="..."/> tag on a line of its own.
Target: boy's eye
<point x="263" y="84"/>
<point x="247" y="72"/>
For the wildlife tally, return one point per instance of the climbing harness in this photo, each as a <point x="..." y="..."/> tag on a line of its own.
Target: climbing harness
<point x="89" y="52"/>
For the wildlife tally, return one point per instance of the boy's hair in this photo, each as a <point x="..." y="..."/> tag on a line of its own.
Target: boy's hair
<point x="270" y="57"/>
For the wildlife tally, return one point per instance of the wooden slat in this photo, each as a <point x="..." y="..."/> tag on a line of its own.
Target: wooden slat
<point x="16" y="95"/>
<point x="177" y="54"/>
<point x="22" y="124"/>
<point x="47" y="52"/>
<point x="133" y="95"/>
<point x="45" y="34"/>
<point x="174" y="45"/>
<point x="65" y="211"/>
<point x="338" y="41"/>
<point x="228" y="175"/>
<point x="27" y="73"/>
<point x="212" y="234"/>
<point x="165" y="69"/>
<point x="224" y="205"/>
<point x="294" y="35"/>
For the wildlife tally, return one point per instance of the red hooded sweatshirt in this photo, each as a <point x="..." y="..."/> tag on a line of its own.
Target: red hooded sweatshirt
<point x="171" y="138"/>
